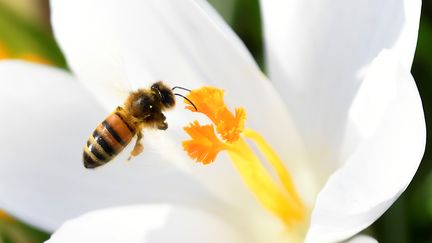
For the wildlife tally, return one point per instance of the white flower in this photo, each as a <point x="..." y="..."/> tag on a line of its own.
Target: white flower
<point x="341" y="109"/>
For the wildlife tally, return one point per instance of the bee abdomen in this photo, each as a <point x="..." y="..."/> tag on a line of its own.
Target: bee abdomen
<point x="108" y="139"/>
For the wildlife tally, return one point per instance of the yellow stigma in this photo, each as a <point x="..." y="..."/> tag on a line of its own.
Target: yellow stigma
<point x="278" y="195"/>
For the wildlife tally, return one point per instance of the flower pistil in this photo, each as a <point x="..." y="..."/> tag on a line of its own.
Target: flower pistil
<point x="277" y="195"/>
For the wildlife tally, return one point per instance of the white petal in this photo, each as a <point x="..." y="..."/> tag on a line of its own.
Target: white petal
<point x="47" y="118"/>
<point x="362" y="239"/>
<point x="138" y="42"/>
<point x="141" y="224"/>
<point x="183" y="42"/>
<point x="389" y="117"/>
<point x="88" y="47"/>
<point x="316" y="52"/>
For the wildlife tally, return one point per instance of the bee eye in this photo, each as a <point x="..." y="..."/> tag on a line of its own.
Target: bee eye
<point x="167" y="98"/>
<point x="164" y="93"/>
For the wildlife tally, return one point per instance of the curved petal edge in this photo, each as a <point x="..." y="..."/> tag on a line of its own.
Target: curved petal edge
<point x="389" y="116"/>
<point x="149" y="223"/>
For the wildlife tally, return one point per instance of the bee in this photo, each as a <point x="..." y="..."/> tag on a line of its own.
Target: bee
<point x="142" y="109"/>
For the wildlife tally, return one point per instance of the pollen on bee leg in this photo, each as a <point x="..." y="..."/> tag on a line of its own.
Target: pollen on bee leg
<point x="138" y="148"/>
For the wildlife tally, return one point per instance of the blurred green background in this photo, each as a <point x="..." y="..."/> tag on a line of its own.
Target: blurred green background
<point x="25" y="33"/>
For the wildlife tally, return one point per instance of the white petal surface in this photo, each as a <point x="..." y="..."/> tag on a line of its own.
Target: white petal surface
<point x="48" y="118"/>
<point x="316" y="53"/>
<point x="146" y="224"/>
<point x="184" y="43"/>
<point x="388" y="114"/>
<point x="362" y="239"/>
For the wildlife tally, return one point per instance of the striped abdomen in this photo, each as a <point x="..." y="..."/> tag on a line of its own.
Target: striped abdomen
<point x="108" y="140"/>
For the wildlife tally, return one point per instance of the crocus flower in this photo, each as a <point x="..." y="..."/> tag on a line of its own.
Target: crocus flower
<point x="340" y="109"/>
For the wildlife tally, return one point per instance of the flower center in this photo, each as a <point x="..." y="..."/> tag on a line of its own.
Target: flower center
<point x="277" y="195"/>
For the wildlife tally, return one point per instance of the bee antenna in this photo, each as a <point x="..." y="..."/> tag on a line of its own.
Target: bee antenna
<point x="187" y="100"/>
<point x="178" y="87"/>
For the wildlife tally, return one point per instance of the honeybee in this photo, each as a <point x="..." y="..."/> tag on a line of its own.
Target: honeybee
<point x="142" y="109"/>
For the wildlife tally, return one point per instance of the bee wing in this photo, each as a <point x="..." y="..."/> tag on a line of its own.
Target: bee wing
<point x="98" y="64"/>
<point x="110" y="89"/>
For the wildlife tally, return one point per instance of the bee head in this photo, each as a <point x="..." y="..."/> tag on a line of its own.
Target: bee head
<point x="164" y="93"/>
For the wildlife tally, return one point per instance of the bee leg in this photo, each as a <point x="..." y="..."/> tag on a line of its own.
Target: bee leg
<point x="138" y="148"/>
<point x="162" y="124"/>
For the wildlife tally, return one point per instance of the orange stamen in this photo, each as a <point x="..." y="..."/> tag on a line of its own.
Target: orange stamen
<point x="204" y="145"/>
<point x="210" y="102"/>
<point x="278" y="195"/>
